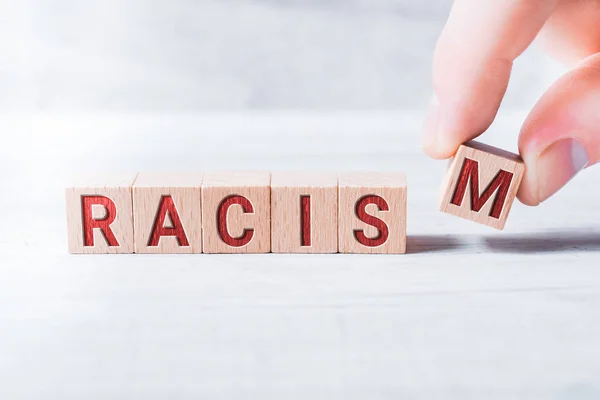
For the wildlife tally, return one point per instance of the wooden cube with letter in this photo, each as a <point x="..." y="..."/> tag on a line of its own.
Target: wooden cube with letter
<point x="167" y="213"/>
<point x="481" y="184"/>
<point x="372" y="212"/>
<point x="100" y="214"/>
<point x="236" y="212"/>
<point x="304" y="212"/>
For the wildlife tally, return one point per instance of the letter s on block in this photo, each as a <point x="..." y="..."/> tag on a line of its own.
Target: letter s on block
<point x="382" y="228"/>
<point x="247" y="234"/>
<point x="470" y="173"/>
<point x="89" y="223"/>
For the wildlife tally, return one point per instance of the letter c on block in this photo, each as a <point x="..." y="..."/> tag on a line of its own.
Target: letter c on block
<point x="222" y="210"/>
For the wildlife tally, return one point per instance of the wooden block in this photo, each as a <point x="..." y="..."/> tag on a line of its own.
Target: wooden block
<point x="100" y="215"/>
<point x="372" y="212"/>
<point x="481" y="184"/>
<point x="304" y="212"/>
<point x="236" y="212"/>
<point x="167" y="213"/>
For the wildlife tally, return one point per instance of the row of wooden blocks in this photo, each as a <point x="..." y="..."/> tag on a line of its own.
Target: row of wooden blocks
<point x="279" y="212"/>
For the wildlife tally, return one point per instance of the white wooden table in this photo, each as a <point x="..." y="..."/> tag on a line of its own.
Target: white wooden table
<point x="469" y="313"/>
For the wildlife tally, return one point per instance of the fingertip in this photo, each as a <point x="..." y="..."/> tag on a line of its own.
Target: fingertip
<point x="438" y="140"/>
<point x="549" y="171"/>
<point x="435" y="151"/>
<point x="527" y="193"/>
<point x="560" y="136"/>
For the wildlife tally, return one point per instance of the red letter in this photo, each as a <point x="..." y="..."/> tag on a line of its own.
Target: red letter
<point x="247" y="234"/>
<point x="361" y="213"/>
<point x="305" y="220"/>
<point x="165" y="206"/>
<point x="470" y="171"/>
<point x="89" y="223"/>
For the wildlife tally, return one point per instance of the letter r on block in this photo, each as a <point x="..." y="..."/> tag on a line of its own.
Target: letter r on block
<point x="100" y="214"/>
<point x="90" y="223"/>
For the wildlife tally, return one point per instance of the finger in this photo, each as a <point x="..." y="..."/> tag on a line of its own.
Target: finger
<point x="472" y="64"/>
<point x="561" y="135"/>
<point x="572" y="32"/>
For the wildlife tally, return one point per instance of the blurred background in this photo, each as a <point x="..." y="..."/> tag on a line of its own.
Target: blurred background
<point x="190" y="56"/>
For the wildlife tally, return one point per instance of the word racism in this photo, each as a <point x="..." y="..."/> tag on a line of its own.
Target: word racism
<point x="279" y="212"/>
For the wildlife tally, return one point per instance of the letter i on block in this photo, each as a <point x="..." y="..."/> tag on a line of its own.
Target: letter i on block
<point x="167" y="213"/>
<point x="236" y="212"/>
<point x="304" y="212"/>
<point x="100" y="215"/>
<point x="481" y="184"/>
<point x="372" y="213"/>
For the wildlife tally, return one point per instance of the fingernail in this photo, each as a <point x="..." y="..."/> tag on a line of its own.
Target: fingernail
<point x="431" y="122"/>
<point x="558" y="164"/>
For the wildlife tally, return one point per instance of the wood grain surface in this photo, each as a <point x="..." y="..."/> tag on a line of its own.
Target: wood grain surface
<point x="319" y="221"/>
<point x="116" y="236"/>
<point x="183" y="190"/>
<point x="386" y="220"/>
<point x="490" y="178"/>
<point x="253" y="221"/>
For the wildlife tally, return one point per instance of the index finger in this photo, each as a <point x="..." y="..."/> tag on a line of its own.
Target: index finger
<point x="472" y="64"/>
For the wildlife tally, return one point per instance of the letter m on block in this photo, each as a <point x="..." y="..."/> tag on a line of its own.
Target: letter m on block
<point x="469" y="174"/>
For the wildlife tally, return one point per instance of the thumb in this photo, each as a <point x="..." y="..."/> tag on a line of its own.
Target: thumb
<point x="561" y="135"/>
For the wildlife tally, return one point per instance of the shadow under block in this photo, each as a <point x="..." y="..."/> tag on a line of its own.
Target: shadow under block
<point x="481" y="184"/>
<point x="304" y="212"/>
<point x="236" y="212"/>
<point x="167" y="213"/>
<point x="100" y="215"/>
<point x="372" y="212"/>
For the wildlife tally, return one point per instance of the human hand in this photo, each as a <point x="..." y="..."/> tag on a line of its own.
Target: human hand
<point x="472" y="64"/>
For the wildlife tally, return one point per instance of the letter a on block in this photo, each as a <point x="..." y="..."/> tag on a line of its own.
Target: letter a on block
<point x="167" y="209"/>
<point x="372" y="213"/>
<point x="481" y="184"/>
<point x="100" y="215"/>
<point x="167" y="213"/>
